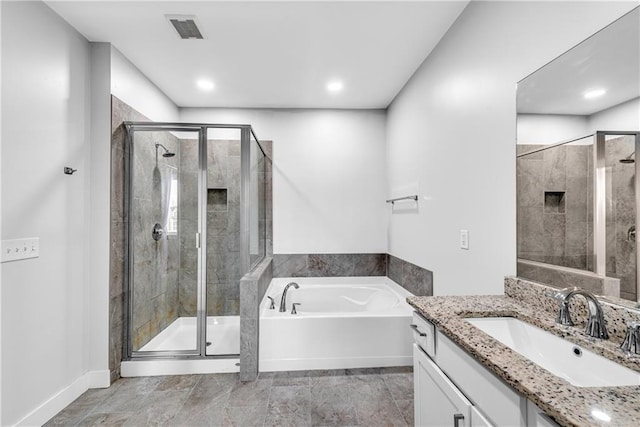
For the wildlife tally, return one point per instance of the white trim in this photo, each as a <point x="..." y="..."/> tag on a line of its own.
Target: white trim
<point x="147" y="368"/>
<point x="98" y="379"/>
<point x="276" y="365"/>
<point x="59" y="401"/>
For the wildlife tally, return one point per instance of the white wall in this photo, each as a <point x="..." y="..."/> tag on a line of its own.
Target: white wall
<point x="329" y="181"/>
<point x="622" y="117"/>
<point x="134" y="88"/>
<point x="45" y="116"/>
<point x="0" y="216"/>
<point x="451" y="133"/>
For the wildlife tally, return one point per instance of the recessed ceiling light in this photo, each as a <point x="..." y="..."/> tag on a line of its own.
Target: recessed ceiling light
<point x="335" y="86"/>
<point x="594" y="93"/>
<point x="205" y="84"/>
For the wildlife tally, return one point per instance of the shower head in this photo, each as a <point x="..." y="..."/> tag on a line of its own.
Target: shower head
<point x="628" y="159"/>
<point x="166" y="153"/>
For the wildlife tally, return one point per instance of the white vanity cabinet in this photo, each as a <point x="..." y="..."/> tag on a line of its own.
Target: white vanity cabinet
<point x="438" y="402"/>
<point x="453" y="389"/>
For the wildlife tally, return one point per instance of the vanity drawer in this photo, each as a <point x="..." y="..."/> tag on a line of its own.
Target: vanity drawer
<point x="424" y="334"/>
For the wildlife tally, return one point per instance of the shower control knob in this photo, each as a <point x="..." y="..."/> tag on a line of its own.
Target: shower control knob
<point x="157" y="232"/>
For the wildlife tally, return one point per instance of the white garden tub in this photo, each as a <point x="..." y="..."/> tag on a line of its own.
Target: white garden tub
<point x="342" y="322"/>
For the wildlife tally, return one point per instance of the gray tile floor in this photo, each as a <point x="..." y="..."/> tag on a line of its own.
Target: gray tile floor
<point x="347" y="397"/>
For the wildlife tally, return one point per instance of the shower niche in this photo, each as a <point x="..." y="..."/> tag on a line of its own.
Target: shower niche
<point x="203" y="184"/>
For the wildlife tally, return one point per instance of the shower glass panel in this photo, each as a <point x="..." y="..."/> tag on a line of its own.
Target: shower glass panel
<point x="257" y="205"/>
<point x="620" y="211"/>
<point x="163" y="190"/>
<point x="223" y="238"/>
<point x="196" y="202"/>
<point x="555" y="203"/>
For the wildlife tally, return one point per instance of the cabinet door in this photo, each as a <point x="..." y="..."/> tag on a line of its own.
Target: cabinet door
<point x="537" y="418"/>
<point x="478" y="420"/>
<point x="437" y="400"/>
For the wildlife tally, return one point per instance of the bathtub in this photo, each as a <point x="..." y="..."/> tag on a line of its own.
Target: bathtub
<point x="342" y="322"/>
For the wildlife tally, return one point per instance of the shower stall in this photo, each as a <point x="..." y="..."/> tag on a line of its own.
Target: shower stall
<point x="577" y="207"/>
<point x="195" y="208"/>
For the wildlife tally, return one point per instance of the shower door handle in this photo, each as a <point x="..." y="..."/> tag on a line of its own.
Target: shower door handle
<point x="197" y="240"/>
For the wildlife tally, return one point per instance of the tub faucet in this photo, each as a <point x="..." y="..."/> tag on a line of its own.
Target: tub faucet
<point x="283" y="301"/>
<point x="595" y="323"/>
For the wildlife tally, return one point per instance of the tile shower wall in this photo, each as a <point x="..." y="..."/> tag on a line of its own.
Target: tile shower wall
<point x="554" y="205"/>
<point x="119" y="112"/>
<point x="156" y="267"/>
<point x="223" y="228"/>
<point x="621" y="215"/>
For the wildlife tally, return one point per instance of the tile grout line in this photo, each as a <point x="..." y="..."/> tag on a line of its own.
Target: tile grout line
<point x="187" y="398"/>
<point x="266" y="412"/>
<point x="396" y="403"/>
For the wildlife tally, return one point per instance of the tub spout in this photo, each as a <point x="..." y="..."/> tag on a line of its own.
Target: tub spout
<point x="283" y="301"/>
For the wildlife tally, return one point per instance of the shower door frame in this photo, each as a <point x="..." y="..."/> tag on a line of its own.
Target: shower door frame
<point x="600" y="202"/>
<point x="246" y="131"/>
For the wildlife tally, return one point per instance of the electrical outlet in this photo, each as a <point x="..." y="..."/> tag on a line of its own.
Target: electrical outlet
<point x="17" y="249"/>
<point x="464" y="239"/>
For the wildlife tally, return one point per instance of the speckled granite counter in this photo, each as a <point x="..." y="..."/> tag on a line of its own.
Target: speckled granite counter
<point x="566" y="404"/>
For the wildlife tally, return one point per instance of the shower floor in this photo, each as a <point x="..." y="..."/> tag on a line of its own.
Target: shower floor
<point x="223" y="332"/>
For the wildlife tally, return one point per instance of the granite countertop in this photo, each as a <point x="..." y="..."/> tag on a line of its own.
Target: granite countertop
<point x="567" y="404"/>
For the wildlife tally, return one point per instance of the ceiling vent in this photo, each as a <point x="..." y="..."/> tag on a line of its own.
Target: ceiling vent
<point x="186" y="26"/>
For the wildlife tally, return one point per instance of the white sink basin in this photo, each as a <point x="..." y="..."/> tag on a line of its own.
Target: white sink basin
<point x="562" y="358"/>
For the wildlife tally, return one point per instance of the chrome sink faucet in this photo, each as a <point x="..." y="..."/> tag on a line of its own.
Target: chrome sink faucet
<point x="595" y="323"/>
<point x="631" y="343"/>
<point x="283" y="300"/>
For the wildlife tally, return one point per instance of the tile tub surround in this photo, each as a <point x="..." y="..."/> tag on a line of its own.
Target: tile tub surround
<point x="566" y="404"/>
<point x="252" y="289"/>
<point x="417" y="280"/>
<point x="328" y="265"/>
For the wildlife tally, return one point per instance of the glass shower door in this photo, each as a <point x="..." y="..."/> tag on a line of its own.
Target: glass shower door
<point x="223" y="241"/>
<point x="620" y="211"/>
<point x="163" y="250"/>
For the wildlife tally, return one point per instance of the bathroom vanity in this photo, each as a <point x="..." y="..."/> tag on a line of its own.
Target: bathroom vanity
<point x="465" y="377"/>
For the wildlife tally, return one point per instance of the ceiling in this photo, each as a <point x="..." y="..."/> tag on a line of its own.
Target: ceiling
<point x="610" y="60"/>
<point x="271" y="54"/>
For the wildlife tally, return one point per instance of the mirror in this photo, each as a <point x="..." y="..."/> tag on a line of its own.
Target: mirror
<point x="578" y="129"/>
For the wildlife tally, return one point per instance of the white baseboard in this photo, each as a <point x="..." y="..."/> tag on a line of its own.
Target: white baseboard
<point x="59" y="401"/>
<point x="98" y="379"/>
<point x="276" y="365"/>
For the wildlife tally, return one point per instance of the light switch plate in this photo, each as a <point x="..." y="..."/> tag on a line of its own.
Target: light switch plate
<point x="17" y="249"/>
